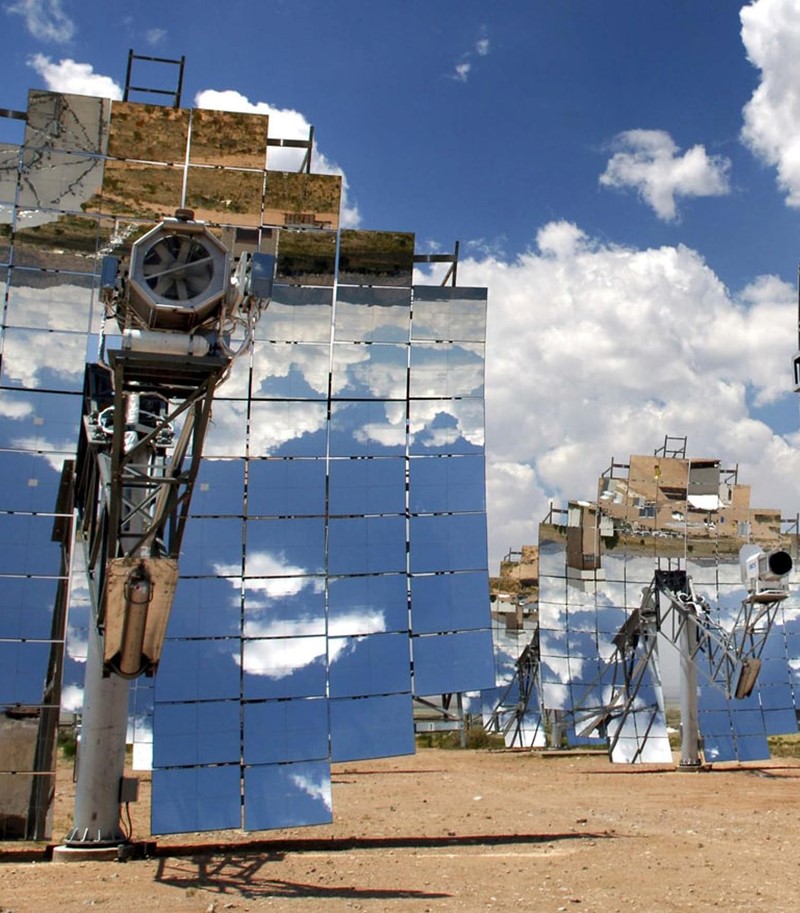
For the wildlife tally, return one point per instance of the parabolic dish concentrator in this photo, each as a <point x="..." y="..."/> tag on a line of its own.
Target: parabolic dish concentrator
<point x="270" y="539"/>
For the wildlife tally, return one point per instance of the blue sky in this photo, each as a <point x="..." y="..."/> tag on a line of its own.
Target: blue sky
<point x="623" y="176"/>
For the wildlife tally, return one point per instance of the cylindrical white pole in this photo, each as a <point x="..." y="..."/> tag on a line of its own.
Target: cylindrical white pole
<point x="690" y="747"/>
<point x="101" y="754"/>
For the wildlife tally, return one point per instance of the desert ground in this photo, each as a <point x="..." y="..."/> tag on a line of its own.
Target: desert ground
<point x="464" y="830"/>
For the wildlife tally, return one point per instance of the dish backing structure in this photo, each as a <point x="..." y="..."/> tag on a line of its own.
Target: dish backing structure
<point x="278" y="604"/>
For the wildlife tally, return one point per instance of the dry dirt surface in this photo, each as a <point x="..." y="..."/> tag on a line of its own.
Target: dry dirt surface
<point x="450" y="831"/>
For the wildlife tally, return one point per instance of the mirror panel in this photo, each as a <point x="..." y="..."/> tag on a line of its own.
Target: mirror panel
<point x="448" y="602"/>
<point x="20" y="677"/>
<point x="33" y="359"/>
<point x="152" y="192"/>
<point x="368" y="429"/>
<point x="378" y="663"/>
<point x="295" y="545"/>
<point x="281" y="605"/>
<point x="50" y="301"/>
<point x="225" y="196"/>
<point x="373" y="371"/>
<point x="218" y="489"/>
<point x="151" y="133"/>
<point x="447" y="662"/>
<point x="61" y="181"/>
<point x="442" y="369"/>
<point x="446" y="426"/>
<point x="40" y="422"/>
<point x="285" y="488"/>
<point x="451" y="543"/>
<point x="283" y="795"/>
<point x="296" y="314"/>
<point x="375" y="258"/>
<point x="361" y="605"/>
<point x="231" y="139"/>
<point x="188" y="799"/>
<point x="445" y="314"/>
<point x="299" y="200"/>
<point x="288" y="429"/>
<point x="196" y="734"/>
<point x="202" y="669"/>
<point x="447" y="484"/>
<point x="365" y="314"/>
<point x="366" y="545"/>
<point x="26" y="607"/>
<point x="298" y="731"/>
<point x="72" y="123"/>
<point x="295" y="371"/>
<point x="10" y="156"/>
<point x="206" y="607"/>
<point x="212" y="546"/>
<point x="61" y="243"/>
<point x="371" y="486"/>
<point x="306" y="258"/>
<point x="26" y="545"/>
<point x="372" y="727"/>
<point x="275" y="668"/>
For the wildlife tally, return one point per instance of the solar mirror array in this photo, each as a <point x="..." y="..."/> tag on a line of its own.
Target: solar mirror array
<point x="333" y="561"/>
<point x="643" y="586"/>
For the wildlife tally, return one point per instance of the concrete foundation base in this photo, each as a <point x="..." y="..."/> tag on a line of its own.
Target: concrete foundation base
<point x="86" y="853"/>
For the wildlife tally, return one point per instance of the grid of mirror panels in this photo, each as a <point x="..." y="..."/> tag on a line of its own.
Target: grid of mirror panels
<point x="48" y="275"/>
<point x="584" y="605"/>
<point x="783" y="654"/>
<point x="736" y="729"/>
<point x="664" y="513"/>
<point x="335" y="562"/>
<point x="513" y="707"/>
<point x="339" y="536"/>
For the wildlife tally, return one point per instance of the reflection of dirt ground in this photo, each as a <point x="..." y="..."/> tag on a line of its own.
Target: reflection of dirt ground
<point x="446" y="831"/>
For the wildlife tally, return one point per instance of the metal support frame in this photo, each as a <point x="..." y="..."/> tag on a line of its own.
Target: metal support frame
<point x="525" y="678"/>
<point x="307" y="144"/>
<point x="135" y="499"/>
<point x="165" y="484"/>
<point x="451" y="276"/>
<point x="134" y="490"/>
<point x="432" y="717"/>
<point x="673" y="447"/>
<point x="174" y="95"/>
<point x="134" y="481"/>
<point x="729" y="659"/>
<point x="609" y="473"/>
<point x="635" y="652"/>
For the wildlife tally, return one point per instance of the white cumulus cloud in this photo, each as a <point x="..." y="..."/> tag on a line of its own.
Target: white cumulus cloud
<point x="771" y="36"/>
<point x="44" y="19"/>
<point x="649" y="162"/>
<point x="597" y="351"/>
<point x="72" y="699"/>
<point x="75" y="78"/>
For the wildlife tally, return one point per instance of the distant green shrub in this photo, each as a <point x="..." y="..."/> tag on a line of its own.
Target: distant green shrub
<point x="477" y="738"/>
<point x="67" y="743"/>
<point x="784" y="746"/>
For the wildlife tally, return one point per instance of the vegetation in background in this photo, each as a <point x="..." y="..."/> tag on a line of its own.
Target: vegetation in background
<point x="67" y="742"/>
<point x="477" y="737"/>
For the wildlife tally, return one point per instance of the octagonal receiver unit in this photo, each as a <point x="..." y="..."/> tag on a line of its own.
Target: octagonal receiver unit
<point x="179" y="276"/>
